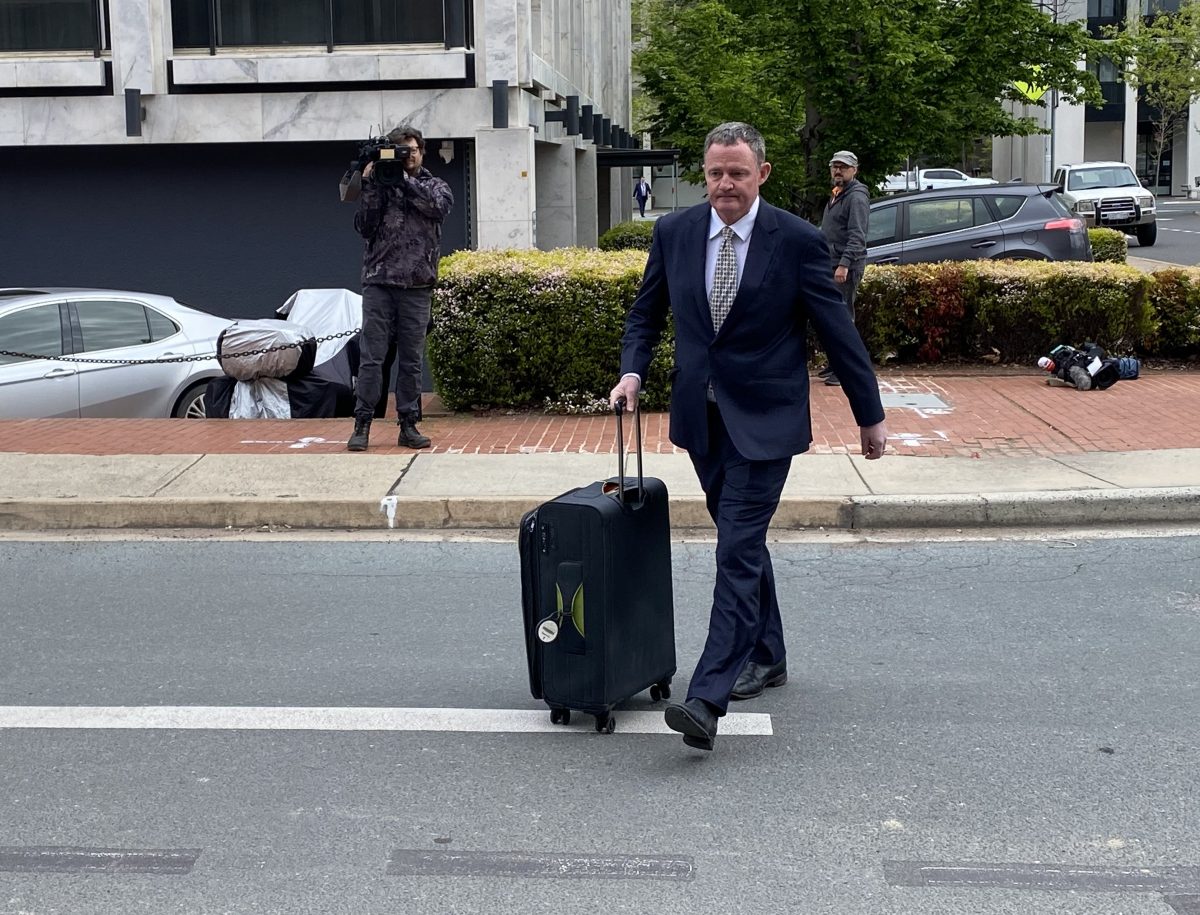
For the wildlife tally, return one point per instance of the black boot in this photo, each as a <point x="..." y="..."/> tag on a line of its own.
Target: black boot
<point x="409" y="436"/>
<point x="362" y="432"/>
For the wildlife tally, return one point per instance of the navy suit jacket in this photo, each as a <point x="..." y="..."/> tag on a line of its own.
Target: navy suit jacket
<point x="758" y="363"/>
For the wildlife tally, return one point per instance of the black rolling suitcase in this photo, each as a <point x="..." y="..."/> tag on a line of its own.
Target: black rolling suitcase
<point x="596" y="589"/>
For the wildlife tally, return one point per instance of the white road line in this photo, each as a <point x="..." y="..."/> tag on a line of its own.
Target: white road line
<point x="279" y="718"/>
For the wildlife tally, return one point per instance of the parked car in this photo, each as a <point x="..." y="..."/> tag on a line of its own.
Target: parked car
<point x="931" y="179"/>
<point x="103" y="324"/>
<point x="1109" y="195"/>
<point x="1018" y="221"/>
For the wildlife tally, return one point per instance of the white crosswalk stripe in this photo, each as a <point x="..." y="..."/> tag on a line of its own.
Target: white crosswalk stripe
<point x="283" y="718"/>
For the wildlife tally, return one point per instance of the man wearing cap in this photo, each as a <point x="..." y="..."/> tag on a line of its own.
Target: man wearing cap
<point x="844" y="225"/>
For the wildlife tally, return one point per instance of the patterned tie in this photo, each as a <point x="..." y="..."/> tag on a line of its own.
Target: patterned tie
<point x="724" y="286"/>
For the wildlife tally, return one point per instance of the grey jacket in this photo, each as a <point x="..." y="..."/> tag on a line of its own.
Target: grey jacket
<point x="402" y="226"/>
<point x="844" y="225"/>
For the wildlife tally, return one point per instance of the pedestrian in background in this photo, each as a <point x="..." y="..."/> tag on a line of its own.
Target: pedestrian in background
<point x="743" y="281"/>
<point x="844" y="225"/>
<point x="402" y="228"/>
<point x="641" y="193"/>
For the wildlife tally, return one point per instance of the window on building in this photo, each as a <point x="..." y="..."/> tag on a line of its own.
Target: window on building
<point x="276" y="23"/>
<point x="52" y="25"/>
<point x="1104" y="70"/>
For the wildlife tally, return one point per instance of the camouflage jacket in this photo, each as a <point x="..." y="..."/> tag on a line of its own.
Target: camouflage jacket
<point x="402" y="226"/>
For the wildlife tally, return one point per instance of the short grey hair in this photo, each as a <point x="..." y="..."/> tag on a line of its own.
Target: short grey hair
<point x="731" y="133"/>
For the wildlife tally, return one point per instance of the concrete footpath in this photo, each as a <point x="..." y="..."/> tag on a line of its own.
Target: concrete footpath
<point x="980" y="448"/>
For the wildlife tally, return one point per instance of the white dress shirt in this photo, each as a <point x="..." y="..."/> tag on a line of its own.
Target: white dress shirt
<point x="741" y="243"/>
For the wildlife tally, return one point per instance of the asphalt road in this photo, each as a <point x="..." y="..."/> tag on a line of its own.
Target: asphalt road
<point x="969" y="727"/>
<point x="1178" y="234"/>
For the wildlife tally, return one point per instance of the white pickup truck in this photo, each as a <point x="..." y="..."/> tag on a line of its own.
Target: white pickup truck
<point x="1109" y="195"/>
<point x="925" y="179"/>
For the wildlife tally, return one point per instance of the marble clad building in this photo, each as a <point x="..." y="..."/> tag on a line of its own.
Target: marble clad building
<point x="194" y="147"/>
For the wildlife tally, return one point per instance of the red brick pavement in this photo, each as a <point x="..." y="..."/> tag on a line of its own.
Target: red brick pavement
<point x="985" y="415"/>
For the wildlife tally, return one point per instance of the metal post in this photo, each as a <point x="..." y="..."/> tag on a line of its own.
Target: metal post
<point x="212" y="27"/>
<point x="586" y="122"/>
<point x="329" y="26"/>
<point x="572" y="114"/>
<point x="500" y="103"/>
<point x="97" y="20"/>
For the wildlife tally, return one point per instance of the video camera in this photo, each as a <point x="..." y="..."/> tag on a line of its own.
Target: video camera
<point x="389" y="158"/>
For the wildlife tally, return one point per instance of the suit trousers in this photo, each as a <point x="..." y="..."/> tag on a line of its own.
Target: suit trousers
<point x="392" y="315"/>
<point x="745" y="625"/>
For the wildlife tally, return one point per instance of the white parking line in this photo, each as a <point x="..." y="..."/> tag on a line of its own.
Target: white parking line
<point x="282" y="718"/>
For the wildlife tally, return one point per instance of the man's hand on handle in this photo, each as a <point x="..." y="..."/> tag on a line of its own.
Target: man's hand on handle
<point x="874" y="440"/>
<point x="627" y="387"/>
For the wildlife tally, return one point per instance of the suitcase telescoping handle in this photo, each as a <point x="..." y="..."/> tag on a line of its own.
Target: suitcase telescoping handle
<point x="619" y="409"/>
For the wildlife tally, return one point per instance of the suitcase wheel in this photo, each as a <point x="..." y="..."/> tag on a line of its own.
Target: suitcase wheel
<point x="560" y="716"/>
<point x="661" y="690"/>
<point x="605" y="724"/>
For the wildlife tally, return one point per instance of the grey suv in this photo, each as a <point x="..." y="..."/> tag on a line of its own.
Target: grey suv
<point x="1016" y="221"/>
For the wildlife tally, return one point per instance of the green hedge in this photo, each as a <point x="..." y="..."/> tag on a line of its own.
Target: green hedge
<point x="536" y="329"/>
<point x="542" y="330"/>
<point x="1018" y="309"/>
<point x="1108" y="245"/>
<point x="1175" y="298"/>
<point x="628" y="235"/>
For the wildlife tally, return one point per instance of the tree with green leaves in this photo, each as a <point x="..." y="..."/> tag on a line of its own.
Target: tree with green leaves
<point x="884" y="79"/>
<point x="1160" y="57"/>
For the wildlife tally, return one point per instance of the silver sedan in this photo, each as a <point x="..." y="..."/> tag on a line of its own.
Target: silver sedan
<point x="106" y="325"/>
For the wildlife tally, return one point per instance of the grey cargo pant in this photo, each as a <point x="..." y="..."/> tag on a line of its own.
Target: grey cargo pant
<point x="392" y="314"/>
<point x="849" y="289"/>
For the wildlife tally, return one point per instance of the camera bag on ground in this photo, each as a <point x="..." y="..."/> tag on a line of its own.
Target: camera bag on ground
<point x="1085" y="368"/>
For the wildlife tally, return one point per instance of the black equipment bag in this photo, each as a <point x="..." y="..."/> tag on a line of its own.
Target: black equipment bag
<point x="597" y="596"/>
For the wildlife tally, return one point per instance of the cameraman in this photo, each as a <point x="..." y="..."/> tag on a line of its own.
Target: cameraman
<point x="402" y="226"/>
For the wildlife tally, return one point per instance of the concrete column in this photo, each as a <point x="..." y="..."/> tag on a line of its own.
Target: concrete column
<point x="1069" y="130"/>
<point x="1129" y="132"/>
<point x="506" y="200"/>
<point x="1190" y="159"/>
<point x="585" y="197"/>
<point x="555" y="172"/>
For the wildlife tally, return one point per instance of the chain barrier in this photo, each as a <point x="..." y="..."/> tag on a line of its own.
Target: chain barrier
<point x="202" y="357"/>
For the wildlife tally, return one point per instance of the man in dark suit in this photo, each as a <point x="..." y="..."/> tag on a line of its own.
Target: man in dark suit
<point x="743" y="280"/>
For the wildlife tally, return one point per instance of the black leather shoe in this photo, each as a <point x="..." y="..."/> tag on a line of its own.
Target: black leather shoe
<point x="362" y="433"/>
<point x="695" y="721"/>
<point x="825" y="371"/>
<point x="757" y="677"/>
<point x="409" y="436"/>
<point x="832" y="380"/>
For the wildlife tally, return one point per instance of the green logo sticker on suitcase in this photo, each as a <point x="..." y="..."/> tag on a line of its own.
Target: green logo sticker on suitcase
<point x="576" y="607"/>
